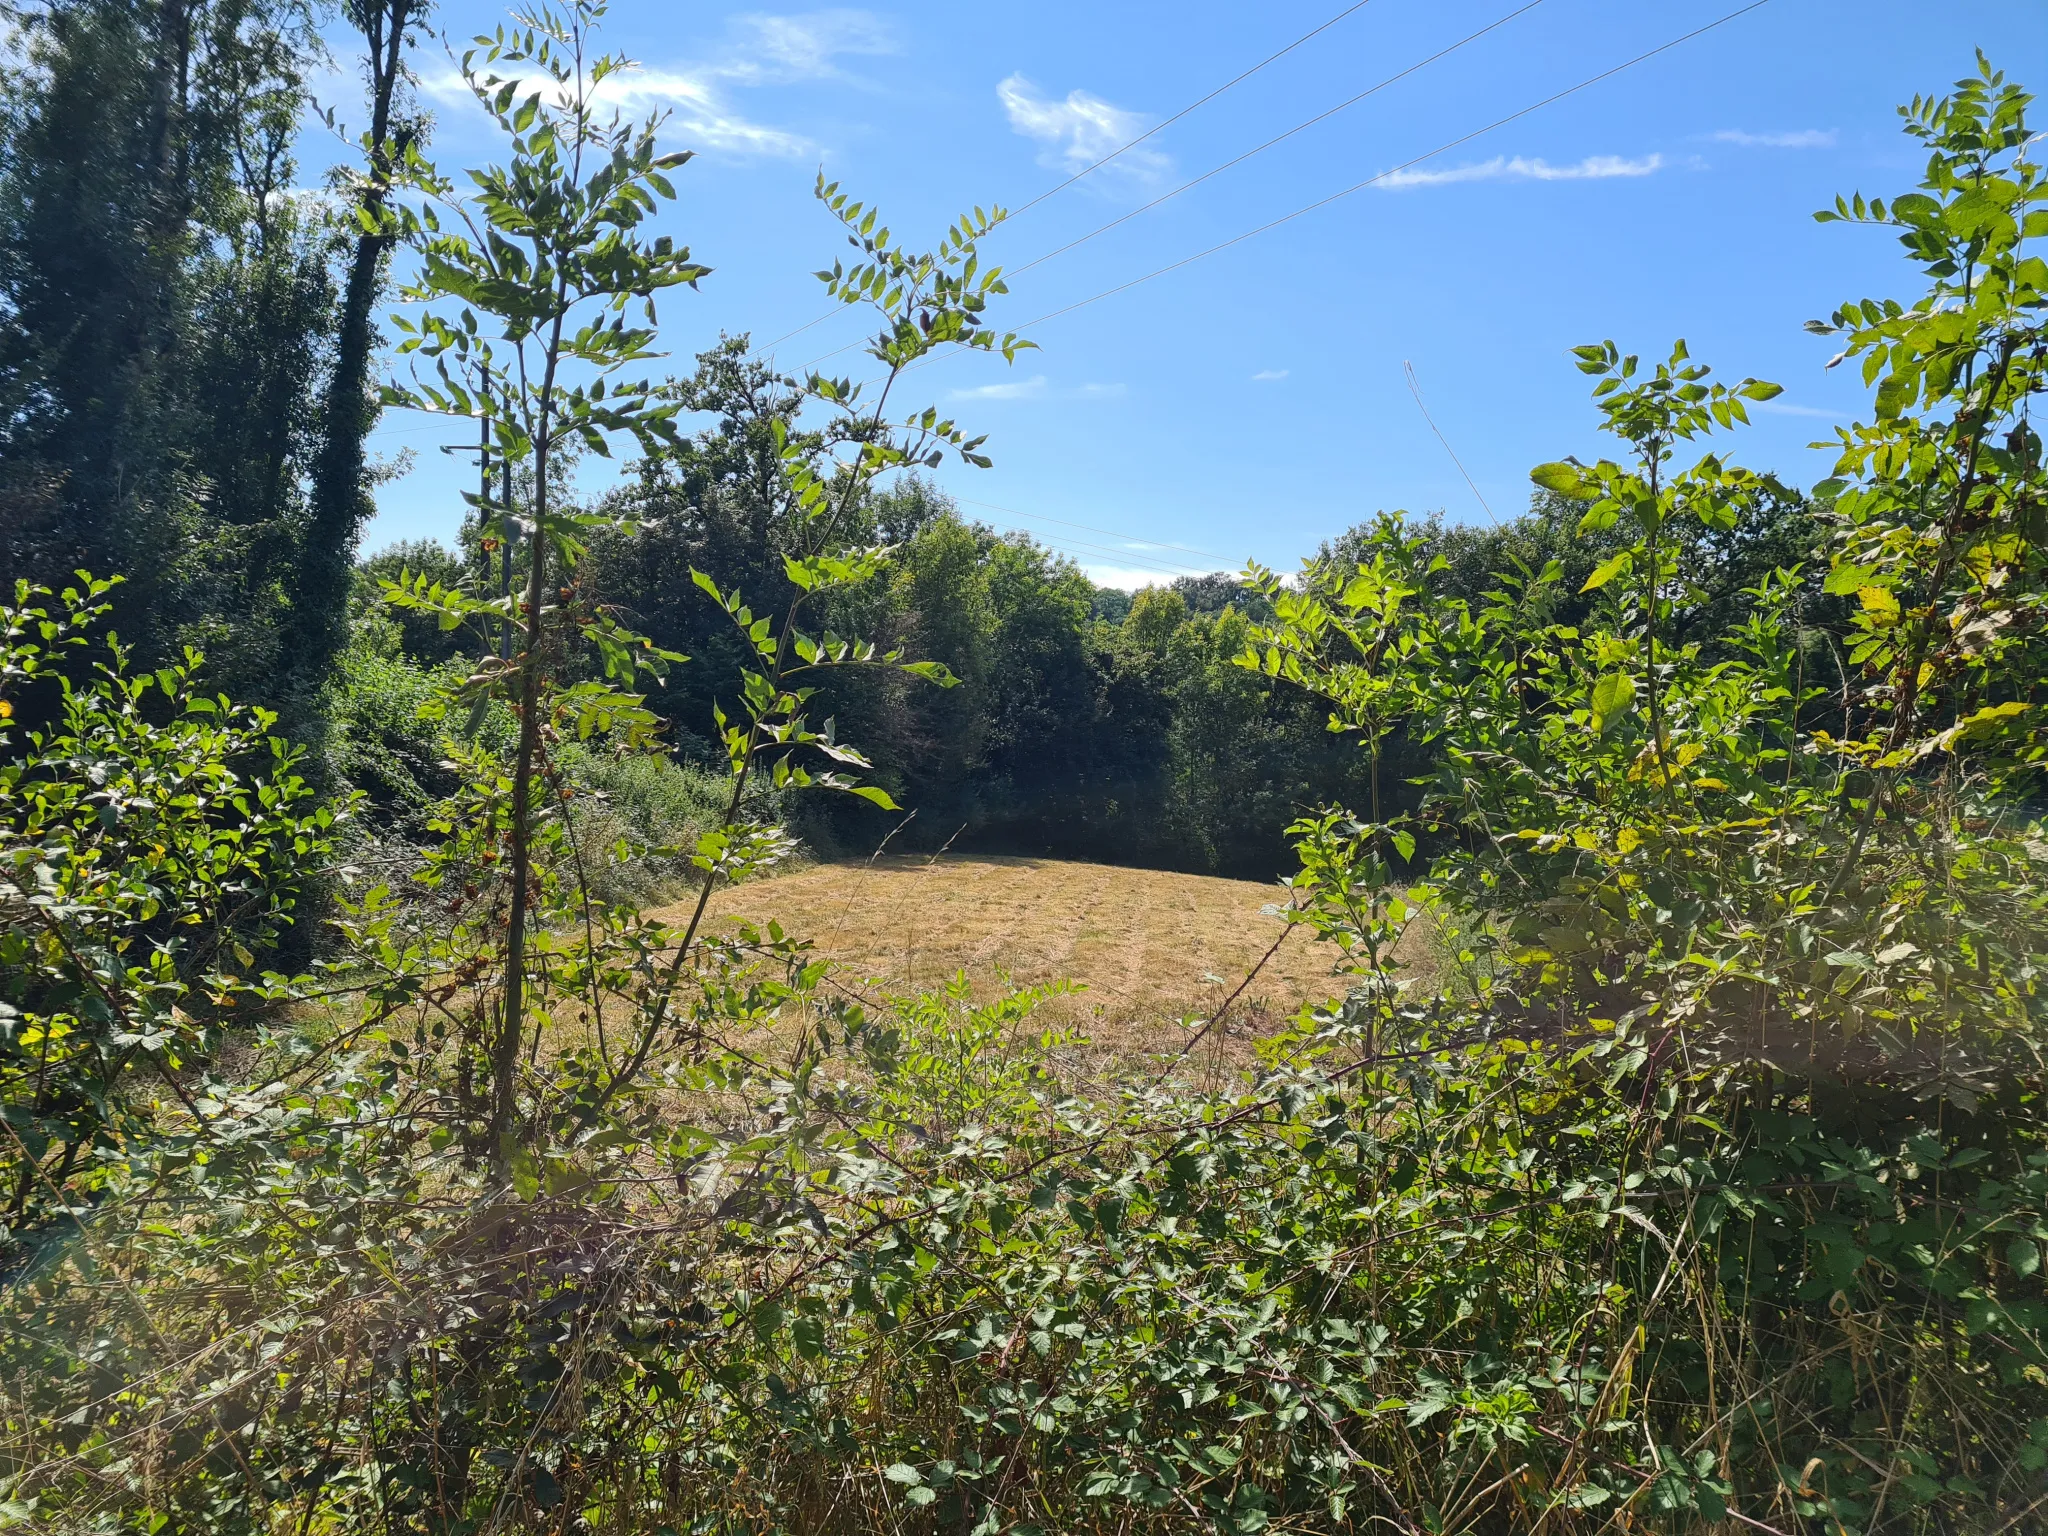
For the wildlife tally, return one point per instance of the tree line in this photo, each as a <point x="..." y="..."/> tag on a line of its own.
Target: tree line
<point x="1087" y="722"/>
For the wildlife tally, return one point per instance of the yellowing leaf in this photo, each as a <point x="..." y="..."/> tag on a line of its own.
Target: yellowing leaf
<point x="1608" y="569"/>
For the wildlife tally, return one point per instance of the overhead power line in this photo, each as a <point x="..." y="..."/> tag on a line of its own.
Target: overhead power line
<point x="1302" y="127"/>
<point x="1093" y="553"/>
<point x="1101" y="229"/>
<point x="1415" y="389"/>
<point x="1166" y="123"/>
<point x="1129" y="559"/>
<point x="1375" y="179"/>
<point x="1360" y="186"/>
<point x="1121" y="149"/>
<point x="1324" y="202"/>
<point x="1089" y="554"/>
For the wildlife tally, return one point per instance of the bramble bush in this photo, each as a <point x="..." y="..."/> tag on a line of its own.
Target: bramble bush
<point x="1706" y="1194"/>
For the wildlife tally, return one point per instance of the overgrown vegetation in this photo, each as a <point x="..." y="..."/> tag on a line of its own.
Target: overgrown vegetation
<point x="1707" y="1190"/>
<point x="182" y="343"/>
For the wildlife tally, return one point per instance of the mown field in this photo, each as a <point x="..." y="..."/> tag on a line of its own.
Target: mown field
<point x="1147" y="950"/>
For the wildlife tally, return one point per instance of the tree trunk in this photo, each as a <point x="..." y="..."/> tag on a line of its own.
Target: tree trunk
<point x="340" y="500"/>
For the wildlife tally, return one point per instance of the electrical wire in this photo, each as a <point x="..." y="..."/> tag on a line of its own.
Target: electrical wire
<point x="1085" y="551"/>
<point x="1121" y="149"/>
<point x="1324" y="202"/>
<point x="1160" y="127"/>
<point x="1415" y="389"/>
<point x="1302" y="127"/>
<point x="1375" y="179"/>
<point x="1086" y="556"/>
<point x="1465" y="41"/>
<point x="1360" y="186"/>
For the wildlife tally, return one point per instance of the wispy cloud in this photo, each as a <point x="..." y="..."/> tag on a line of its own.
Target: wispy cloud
<point x="1128" y="578"/>
<point x="1804" y="138"/>
<point x="772" y="50"/>
<point x="1036" y="388"/>
<point x="1787" y="408"/>
<point x="1268" y="375"/>
<point x="761" y="50"/>
<point x="1518" y="168"/>
<point x="1014" y="389"/>
<point x="699" y="114"/>
<point x="1080" y="130"/>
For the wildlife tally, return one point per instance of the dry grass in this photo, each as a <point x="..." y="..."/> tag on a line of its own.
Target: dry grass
<point x="1150" y="948"/>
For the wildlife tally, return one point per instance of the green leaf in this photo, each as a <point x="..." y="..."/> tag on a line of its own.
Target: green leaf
<point x="1614" y="565"/>
<point x="1845" y="577"/>
<point x="1614" y="698"/>
<point x="1565" y="479"/>
<point x="2023" y="1256"/>
<point x="877" y="795"/>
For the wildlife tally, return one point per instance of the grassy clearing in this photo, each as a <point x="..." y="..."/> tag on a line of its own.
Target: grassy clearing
<point x="1146" y="948"/>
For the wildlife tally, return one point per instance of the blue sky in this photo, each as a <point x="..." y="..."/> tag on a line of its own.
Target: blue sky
<point x="1257" y="401"/>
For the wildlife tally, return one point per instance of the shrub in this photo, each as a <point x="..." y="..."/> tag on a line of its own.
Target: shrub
<point x="152" y="847"/>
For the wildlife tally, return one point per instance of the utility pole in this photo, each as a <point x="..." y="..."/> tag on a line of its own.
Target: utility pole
<point x="507" y="534"/>
<point x="508" y="528"/>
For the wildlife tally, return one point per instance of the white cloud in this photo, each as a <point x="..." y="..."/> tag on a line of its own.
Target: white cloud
<point x="1035" y="388"/>
<point x="774" y="49"/>
<point x="1804" y="138"/>
<point x="1502" y="168"/>
<point x="1080" y="130"/>
<point x="1129" y="578"/>
<point x="699" y="115"/>
<point x="1787" y="408"/>
<point x="764" y="50"/>
<point x="1015" y="389"/>
<point x="1268" y="375"/>
<point x="445" y="85"/>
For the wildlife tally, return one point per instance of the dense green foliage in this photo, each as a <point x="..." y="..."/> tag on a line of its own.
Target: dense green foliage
<point x="156" y="838"/>
<point x="1085" y="724"/>
<point x="1702" y="1186"/>
<point x="1128" y="741"/>
<point x="169" y="321"/>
